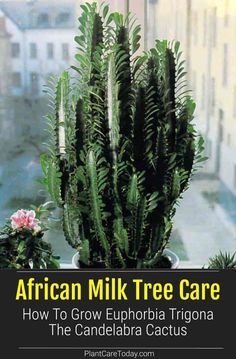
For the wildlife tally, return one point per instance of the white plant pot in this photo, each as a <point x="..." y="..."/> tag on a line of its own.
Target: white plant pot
<point x="172" y="257"/>
<point x="75" y="260"/>
<point x="167" y="252"/>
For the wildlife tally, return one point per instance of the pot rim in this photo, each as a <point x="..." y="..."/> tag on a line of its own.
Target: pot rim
<point x="167" y="252"/>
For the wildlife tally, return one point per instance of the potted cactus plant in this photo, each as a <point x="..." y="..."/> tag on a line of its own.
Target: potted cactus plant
<point x="122" y="145"/>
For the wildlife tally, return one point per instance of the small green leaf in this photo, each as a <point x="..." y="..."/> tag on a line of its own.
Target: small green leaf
<point x="177" y="46"/>
<point x="21" y="247"/>
<point x="202" y="159"/>
<point x="82" y="59"/>
<point x="52" y="263"/>
<point x="105" y="11"/>
<point x="85" y="8"/>
<point x="110" y="19"/>
<point x="44" y="162"/>
<point x="84" y="252"/>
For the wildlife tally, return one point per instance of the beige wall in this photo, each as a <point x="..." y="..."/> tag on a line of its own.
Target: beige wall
<point x="207" y="31"/>
<point x="214" y="68"/>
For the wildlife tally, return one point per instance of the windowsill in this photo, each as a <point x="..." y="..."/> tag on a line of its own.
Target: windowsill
<point x="183" y="265"/>
<point x="66" y="266"/>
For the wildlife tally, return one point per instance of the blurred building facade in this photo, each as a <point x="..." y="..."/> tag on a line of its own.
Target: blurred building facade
<point x="4" y="56"/>
<point x="41" y="39"/>
<point x="41" y="42"/>
<point x="5" y="39"/>
<point x="206" y="30"/>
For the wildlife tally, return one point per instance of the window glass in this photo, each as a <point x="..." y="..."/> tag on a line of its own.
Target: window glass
<point x="43" y="20"/>
<point x="33" y="50"/>
<point x="62" y="18"/>
<point x="41" y="44"/>
<point x="204" y="27"/>
<point x="16" y="79"/>
<point x="234" y="102"/>
<point x="65" y="52"/>
<point x="214" y="27"/>
<point x="15" y="50"/>
<point x="203" y="92"/>
<point x="34" y="83"/>
<point x="225" y="64"/>
<point x="213" y="85"/>
<point x="50" y="50"/>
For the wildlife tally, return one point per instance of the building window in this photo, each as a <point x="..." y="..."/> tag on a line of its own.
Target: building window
<point x="176" y="24"/>
<point x="195" y="28"/>
<point x="194" y="81"/>
<point x="34" y="83"/>
<point x="213" y="86"/>
<point x="50" y="50"/>
<point x="226" y="17"/>
<point x="15" y="50"/>
<point x="208" y="147"/>
<point x="205" y="27"/>
<point x="203" y="92"/>
<point x="234" y="103"/>
<point x="65" y="52"/>
<point x="43" y="20"/>
<point x="214" y="27"/>
<point x="33" y="17"/>
<point x="62" y="18"/>
<point x="225" y="65"/>
<point x="235" y="176"/>
<point x="33" y="50"/>
<point x="16" y="79"/>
